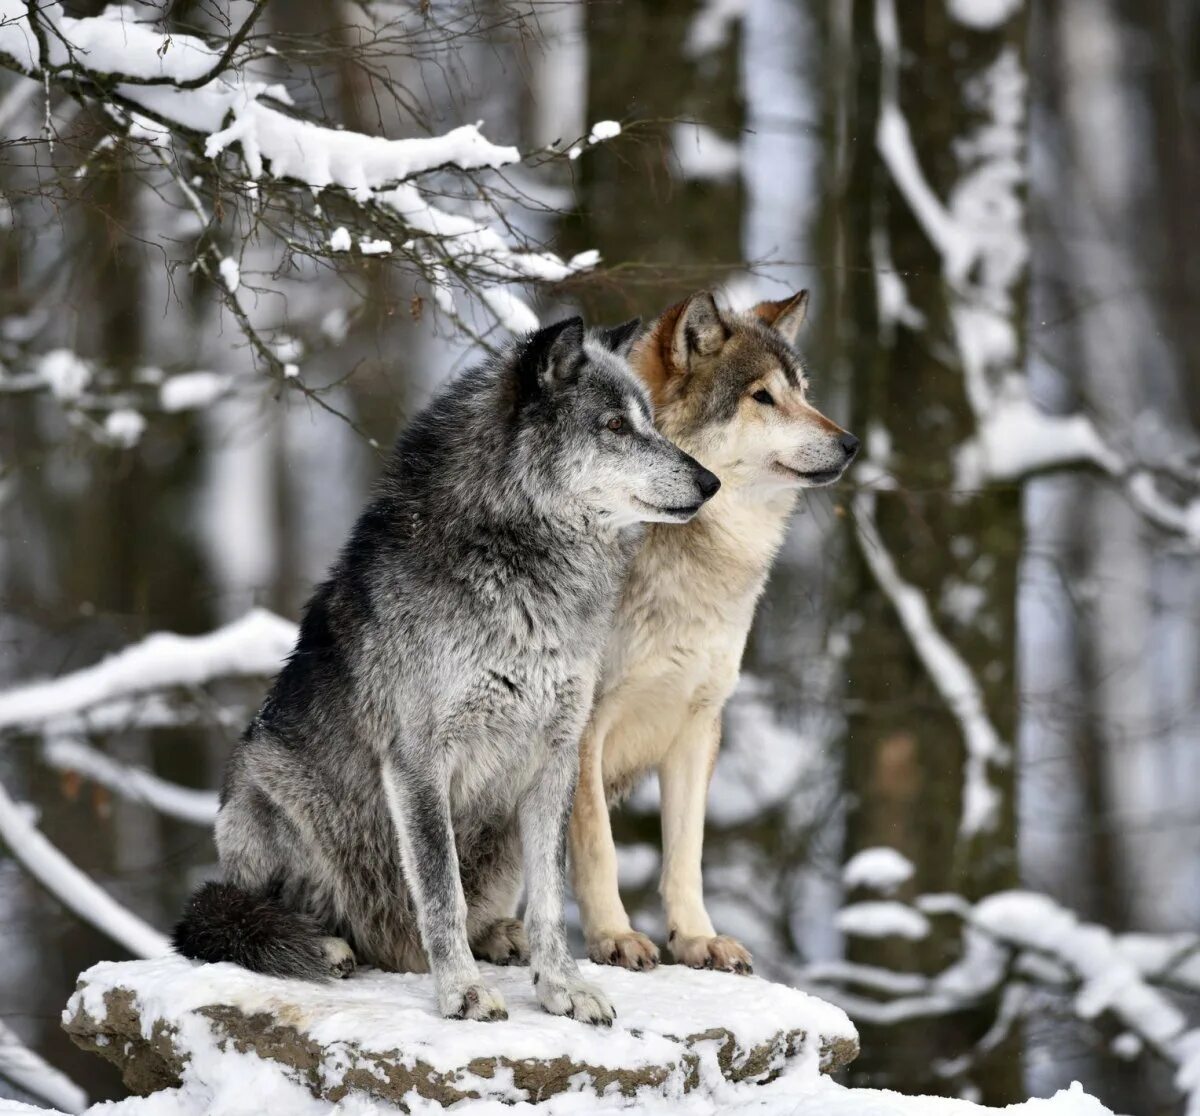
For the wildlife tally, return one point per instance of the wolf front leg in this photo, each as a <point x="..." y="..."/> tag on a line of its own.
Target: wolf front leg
<point x="544" y="814"/>
<point x="419" y="804"/>
<point x="684" y="775"/>
<point x="611" y="939"/>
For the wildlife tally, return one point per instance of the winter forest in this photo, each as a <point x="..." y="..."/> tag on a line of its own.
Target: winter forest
<point x="958" y="793"/>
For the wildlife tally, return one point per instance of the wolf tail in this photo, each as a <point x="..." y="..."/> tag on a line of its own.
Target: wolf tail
<point x="254" y="929"/>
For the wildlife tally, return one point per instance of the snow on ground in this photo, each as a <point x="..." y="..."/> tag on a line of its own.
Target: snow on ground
<point x="248" y="1087"/>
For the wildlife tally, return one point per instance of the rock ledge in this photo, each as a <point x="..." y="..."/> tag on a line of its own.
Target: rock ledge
<point x="378" y="1034"/>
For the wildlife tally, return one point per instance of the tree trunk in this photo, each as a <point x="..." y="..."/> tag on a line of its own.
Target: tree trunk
<point x="899" y="302"/>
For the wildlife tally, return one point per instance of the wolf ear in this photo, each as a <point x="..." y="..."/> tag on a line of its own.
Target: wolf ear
<point x="619" y="339"/>
<point x="550" y="356"/>
<point x="698" y="329"/>
<point x="787" y="315"/>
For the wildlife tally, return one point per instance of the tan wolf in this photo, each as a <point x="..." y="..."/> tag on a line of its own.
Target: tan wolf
<point x="729" y="389"/>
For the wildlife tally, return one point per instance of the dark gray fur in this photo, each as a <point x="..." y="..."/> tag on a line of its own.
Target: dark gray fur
<point x="420" y="746"/>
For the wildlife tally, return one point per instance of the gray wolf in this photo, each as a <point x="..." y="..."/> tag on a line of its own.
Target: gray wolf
<point x="421" y="744"/>
<point x="730" y="389"/>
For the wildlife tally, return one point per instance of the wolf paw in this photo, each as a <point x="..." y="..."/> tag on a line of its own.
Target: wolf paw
<point x="503" y="943"/>
<point x="339" y="956"/>
<point x="721" y="952"/>
<point x="575" y="999"/>
<point x="473" y="1001"/>
<point x="629" y="949"/>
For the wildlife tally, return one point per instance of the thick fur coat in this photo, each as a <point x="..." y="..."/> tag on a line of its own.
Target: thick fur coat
<point x="731" y="389"/>
<point x="419" y="748"/>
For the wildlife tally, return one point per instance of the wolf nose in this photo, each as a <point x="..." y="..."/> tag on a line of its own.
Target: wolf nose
<point x="849" y="444"/>
<point x="708" y="483"/>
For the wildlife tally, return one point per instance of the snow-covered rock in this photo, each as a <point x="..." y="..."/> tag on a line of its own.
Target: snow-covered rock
<point x="377" y="1036"/>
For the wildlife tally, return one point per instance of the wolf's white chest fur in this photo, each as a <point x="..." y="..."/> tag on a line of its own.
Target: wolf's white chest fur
<point x="681" y="628"/>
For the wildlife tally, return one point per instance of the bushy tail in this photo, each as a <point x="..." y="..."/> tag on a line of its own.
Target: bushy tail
<point x="223" y="922"/>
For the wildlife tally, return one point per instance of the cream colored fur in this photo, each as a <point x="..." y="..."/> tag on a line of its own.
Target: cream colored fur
<point x="676" y="648"/>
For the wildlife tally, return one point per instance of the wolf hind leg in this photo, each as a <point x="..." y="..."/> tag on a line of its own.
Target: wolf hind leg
<point x="493" y="885"/>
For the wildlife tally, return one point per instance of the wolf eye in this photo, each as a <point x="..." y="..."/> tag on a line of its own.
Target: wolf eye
<point x="764" y="397"/>
<point x="616" y="424"/>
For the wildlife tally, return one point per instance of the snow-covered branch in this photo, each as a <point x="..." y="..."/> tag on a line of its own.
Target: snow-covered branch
<point x="946" y="669"/>
<point x="70" y="886"/>
<point x="1015" y="941"/>
<point x="34" y="1075"/>
<point x="212" y="130"/>
<point x="255" y="645"/>
<point x="134" y="783"/>
<point x="978" y="234"/>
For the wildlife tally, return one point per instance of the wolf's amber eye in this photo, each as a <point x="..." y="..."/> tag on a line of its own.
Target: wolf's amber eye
<point x="764" y="397"/>
<point x="616" y="424"/>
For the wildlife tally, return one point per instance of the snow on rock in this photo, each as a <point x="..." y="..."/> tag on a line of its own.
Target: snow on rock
<point x="882" y="919"/>
<point x="378" y="1037"/>
<point x="878" y="869"/>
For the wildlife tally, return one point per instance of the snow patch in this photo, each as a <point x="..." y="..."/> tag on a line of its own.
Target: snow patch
<point x="231" y="273"/>
<point x="882" y="919"/>
<point x="704" y="154"/>
<point x="878" y="869"/>
<point x="124" y="427"/>
<point x="191" y="390"/>
<point x="339" y="241"/>
<point x="983" y="14"/>
<point x="65" y="373"/>
<point x="604" y="130"/>
<point x="712" y="26"/>
<point x="511" y="312"/>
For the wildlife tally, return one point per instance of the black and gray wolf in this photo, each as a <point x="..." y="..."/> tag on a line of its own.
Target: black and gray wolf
<point x="421" y="744"/>
<point x="731" y="389"/>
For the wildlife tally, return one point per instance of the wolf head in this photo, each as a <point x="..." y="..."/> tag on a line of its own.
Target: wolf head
<point x="732" y="390"/>
<point x="588" y="431"/>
